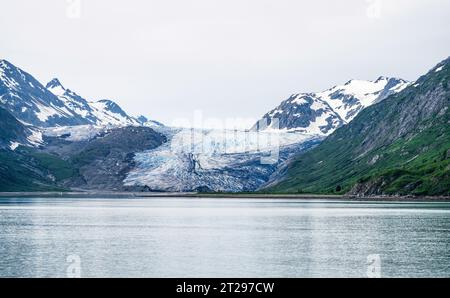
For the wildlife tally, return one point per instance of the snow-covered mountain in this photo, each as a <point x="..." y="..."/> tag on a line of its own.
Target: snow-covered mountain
<point x="73" y="101"/>
<point x="349" y="99"/>
<point x="322" y="113"/>
<point x="303" y="113"/>
<point x="103" y="112"/>
<point x="54" y="105"/>
<point x="108" y="112"/>
<point x="30" y="102"/>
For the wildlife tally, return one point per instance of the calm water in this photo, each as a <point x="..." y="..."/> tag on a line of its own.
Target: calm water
<point x="222" y="238"/>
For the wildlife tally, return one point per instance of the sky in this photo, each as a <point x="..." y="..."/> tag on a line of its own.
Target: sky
<point x="225" y="60"/>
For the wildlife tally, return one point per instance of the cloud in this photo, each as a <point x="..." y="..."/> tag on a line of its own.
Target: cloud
<point x="229" y="59"/>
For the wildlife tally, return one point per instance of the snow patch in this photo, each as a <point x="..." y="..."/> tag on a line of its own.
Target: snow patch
<point x="300" y="100"/>
<point x="76" y="133"/>
<point x="57" y="90"/>
<point x="318" y="105"/>
<point x="13" y="146"/>
<point x="276" y="112"/>
<point x="35" y="138"/>
<point x="45" y="112"/>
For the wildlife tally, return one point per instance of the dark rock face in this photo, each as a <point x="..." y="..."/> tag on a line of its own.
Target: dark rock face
<point x="55" y="83"/>
<point x="370" y="188"/>
<point x="11" y="130"/>
<point x="142" y="119"/>
<point x="103" y="163"/>
<point x="404" y="116"/>
<point x="389" y="89"/>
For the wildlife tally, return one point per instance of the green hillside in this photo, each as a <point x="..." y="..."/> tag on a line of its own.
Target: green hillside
<point x="399" y="146"/>
<point x="27" y="170"/>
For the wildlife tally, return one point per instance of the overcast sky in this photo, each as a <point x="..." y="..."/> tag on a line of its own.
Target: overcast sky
<point x="227" y="58"/>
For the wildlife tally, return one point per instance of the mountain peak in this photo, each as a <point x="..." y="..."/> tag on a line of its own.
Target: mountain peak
<point x="55" y="83"/>
<point x="5" y="63"/>
<point x="349" y="82"/>
<point x="333" y="107"/>
<point x="53" y="105"/>
<point x="441" y="65"/>
<point x="382" y="78"/>
<point x="112" y="107"/>
<point x="108" y="102"/>
<point x="445" y="61"/>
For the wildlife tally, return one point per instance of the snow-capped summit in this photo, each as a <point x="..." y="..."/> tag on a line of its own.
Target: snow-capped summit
<point x="322" y="113"/>
<point x="55" y="87"/>
<point x="349" y="99"/>
<point x="53" y="105"/>
<point x="112" y="107"/>
<point x="55" y="84"/>
<point x="29" y="101"/>
<point x="73" y="101"/>
<point x="103" y="112"/>
<point x="108" y="112"/>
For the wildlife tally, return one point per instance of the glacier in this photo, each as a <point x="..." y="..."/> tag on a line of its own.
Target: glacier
<point x="215" y="160"/>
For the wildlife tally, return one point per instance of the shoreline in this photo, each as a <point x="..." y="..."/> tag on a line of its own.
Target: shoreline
<point x="143" y="195"/>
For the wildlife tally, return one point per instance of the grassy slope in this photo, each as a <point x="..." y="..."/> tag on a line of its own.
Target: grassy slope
<point x="417" y="163"/>
<point x="422" y="160"/>
<point x="27" y="170"/>
<point x="59" y="169"/>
